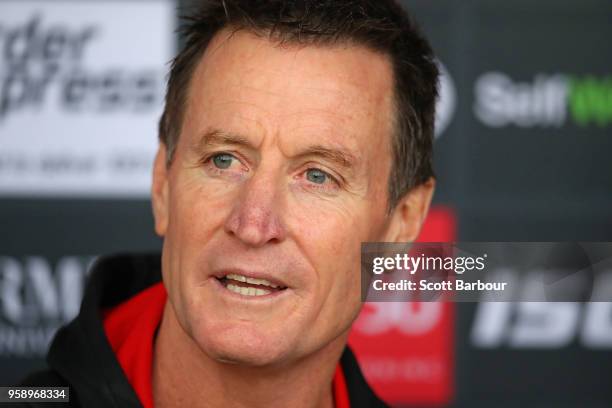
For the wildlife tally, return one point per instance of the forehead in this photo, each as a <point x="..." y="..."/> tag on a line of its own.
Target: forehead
<point x="342" y="93"/>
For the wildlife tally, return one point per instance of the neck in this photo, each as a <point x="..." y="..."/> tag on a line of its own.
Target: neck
<point x="183" y="375"/>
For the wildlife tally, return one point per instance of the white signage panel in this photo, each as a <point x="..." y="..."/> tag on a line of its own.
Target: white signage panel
<point x="81" y="91"/>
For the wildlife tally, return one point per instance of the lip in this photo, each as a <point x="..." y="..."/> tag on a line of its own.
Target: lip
<point x="262" y="298"/>
<point x="250" y="274"/>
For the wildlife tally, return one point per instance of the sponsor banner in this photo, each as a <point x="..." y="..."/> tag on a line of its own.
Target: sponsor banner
<point x="81" y="89"/>
<point x="542" y="325"/>
<point x="36" y="298"/>
<point x="546" y="101"/>
<point x="536" y="116"/>
<point x="406" y="349"/>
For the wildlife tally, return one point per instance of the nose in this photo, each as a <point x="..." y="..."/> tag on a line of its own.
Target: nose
<point x="255" y="218"/>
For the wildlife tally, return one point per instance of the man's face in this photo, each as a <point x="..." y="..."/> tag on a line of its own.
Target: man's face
<point x="281" y="171"/>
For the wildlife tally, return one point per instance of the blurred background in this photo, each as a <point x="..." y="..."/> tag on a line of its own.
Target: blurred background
<point x="523" y="142"/>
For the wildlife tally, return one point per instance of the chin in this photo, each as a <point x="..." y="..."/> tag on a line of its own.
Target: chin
<point x="243" y="345"/>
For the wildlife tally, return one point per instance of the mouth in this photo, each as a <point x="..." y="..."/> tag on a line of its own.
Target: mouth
<point x="249" y="286"/>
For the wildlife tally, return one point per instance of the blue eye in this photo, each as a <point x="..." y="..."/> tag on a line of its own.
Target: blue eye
<point x="316" y="176"/>
<point x="222" y="160"/>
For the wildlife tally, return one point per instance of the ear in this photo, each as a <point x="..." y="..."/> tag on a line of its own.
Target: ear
<point x="159" y="191"/>
<point x="410" y="212"/>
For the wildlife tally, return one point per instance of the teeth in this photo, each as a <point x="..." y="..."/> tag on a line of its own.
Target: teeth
<point x="254" y="281"/>
<point x="247" y="291"/>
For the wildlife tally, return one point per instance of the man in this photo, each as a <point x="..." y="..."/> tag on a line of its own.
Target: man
<point x="292" y="132"/>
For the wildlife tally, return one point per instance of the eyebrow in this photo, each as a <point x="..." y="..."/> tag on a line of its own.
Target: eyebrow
<point x="215" y="137"/>
<point x="339" y="156"/>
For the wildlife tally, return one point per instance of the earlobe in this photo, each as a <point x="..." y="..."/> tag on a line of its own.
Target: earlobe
<point x="159" y="191"/>
<point x="409" y="214"/>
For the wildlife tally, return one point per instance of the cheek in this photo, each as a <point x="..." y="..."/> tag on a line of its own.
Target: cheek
<point x="321" y="228"/>
<point x="196" y="213"/>
<point x="333" y="228"/>
<point x="196" y="208"/>
<point x="330" y="233"/>
<point x="330" y="236"/>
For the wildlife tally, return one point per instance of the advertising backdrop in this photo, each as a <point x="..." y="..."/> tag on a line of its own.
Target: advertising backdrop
<point x="522" y="153"/>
